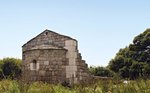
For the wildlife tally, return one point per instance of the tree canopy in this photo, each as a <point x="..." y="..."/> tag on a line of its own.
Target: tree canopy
<point x="133" y="61"/>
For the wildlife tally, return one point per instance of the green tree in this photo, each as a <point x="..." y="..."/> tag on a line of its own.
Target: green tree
<point x="133" y="61"/>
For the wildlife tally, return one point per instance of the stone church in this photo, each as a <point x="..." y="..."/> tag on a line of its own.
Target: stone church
<point x="53" y="58"/>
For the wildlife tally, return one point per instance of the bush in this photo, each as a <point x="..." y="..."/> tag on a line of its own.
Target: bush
<point x="101" y="71"/>
<point x="10" y="68"/>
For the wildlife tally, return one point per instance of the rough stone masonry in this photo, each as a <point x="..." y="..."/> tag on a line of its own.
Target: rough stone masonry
<point x="53" y="58"/>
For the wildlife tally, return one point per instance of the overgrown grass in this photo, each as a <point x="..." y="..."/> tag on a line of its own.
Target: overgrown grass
<point x="101" y="86"/>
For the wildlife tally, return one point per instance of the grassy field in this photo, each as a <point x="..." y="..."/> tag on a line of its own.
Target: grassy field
<point x="101" y="86"/>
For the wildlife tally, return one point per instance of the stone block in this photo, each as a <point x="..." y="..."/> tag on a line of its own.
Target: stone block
<point x="70" y="43"/>
<point x="71" y="54"/>
<point x="42" y="73"/>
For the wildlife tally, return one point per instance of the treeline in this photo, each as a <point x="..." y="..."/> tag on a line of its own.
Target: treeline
<point x="101" y="71"/>
<point x="10" y="68"/>
<point x="131" y="62"/>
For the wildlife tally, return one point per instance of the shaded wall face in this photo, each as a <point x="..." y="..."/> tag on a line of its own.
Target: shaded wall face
<point x="50" y="65"/>
<point x="51" y="39"/>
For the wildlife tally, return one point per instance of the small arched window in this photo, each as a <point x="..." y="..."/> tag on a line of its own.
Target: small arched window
<point x="34" y="65"/>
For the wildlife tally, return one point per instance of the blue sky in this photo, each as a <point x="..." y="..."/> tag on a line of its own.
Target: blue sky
<point x="101" y="27"/>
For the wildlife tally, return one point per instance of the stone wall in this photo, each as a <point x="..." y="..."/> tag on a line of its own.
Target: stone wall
<point x="51" y="65"/>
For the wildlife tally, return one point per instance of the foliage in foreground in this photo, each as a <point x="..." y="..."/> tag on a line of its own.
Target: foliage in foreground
<point x="107" y="86"/>
<point x="133" y="61"/>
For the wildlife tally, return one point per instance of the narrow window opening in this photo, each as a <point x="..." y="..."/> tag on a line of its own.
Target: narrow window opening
<point x="34" y="66"/>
